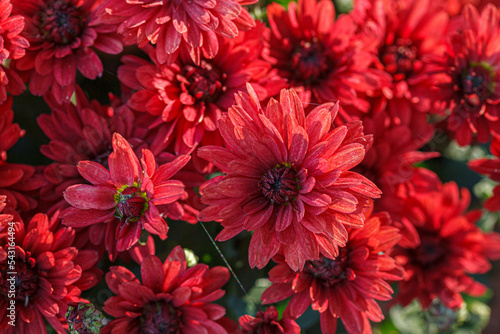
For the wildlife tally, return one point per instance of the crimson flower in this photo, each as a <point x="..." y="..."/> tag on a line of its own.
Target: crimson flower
<point x="177" y="27"/>
<point x="491" y="168"/>
<point x="61" y="34"/>
<point x="346" y="286"/>
<point x="126" y="196"/>
<point x="48" y="273"/>
<point x="320" y="55"/>
<point x="12" y="46"/>
<point x="396" y="140"/>
<point x="410" y="47"/>
<point x="267" y="322"/>
<point x="451" y="247"/>
<point x="287" y="178"/>
<point x="473" y="91"/>
<point x="170" y="299"/>
<point x="188" y="99"/>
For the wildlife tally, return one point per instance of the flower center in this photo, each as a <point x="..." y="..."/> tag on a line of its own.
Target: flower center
<point x="474" y="87"/>
<point x="25" y="280"/>
<point x="309" y="63"/>
<point x="432" y="250"/>
<point x="201" y="83"/>
<point x="280" y="185"/>
<point x="60" y="22"/>
<point x="399" y="58"/>
<point x="160" y="317"/>
<point x="131" y="203"/>
<point x="330" y="272"/>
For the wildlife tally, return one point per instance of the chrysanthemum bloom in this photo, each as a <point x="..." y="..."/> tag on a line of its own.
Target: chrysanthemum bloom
<point x="176" y="26"/>
<point x="189" y="99"/>
<point x="9" y="132"/>
<point x="12" y="46"/>
<point x="473" y="92"/>
<point x="267" y="322"/>
<point x="48" y="273"/>
<point x="396" y="140"/>
<point x="287" y="178"/>
<point x="346" y="286"/>
<point x="491" y="168"/>
<point x="61" y="34"/>
<point x="318" y="55"/>
<point x="126" y="196"/>
<point x="410" y="47"/>
<point x="451" y="247"/>
<point x="170" y="299"/>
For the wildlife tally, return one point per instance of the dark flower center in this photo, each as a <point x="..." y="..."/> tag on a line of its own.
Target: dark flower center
<point x="473" y="87"/>
<point x="131" y="203"/>
<point x="202" y="83"/>
<point x="25" y="279"/>
<point x="431" y="251"/>
<point x="309" y="63"/>
<point x="160" y="317"/>
<point x="329" y="272"/>
<point x="60" y="22"/>
<point x="280" y="185"/>
<point x="399" y="58"/>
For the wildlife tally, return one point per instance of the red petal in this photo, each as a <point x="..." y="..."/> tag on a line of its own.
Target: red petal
<point x="83" y="196"/>
<point x="152" y="275"/>
<point x="123" y="163"/>
<point x="78" y="218"/>
<point x="94" y="172"/>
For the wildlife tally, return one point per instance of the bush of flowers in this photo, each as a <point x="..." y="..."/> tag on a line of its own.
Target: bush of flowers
<point x="244" y="166"/>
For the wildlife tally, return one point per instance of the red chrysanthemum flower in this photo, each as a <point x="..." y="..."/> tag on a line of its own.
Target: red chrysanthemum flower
<point x="396" y="140"/>
<point x="287" y="178"/>
<point x="409" y="41"/>
<point x="473" y="92"/>
<point x="346" y="286"/>
<point x="39" y="261"/>
<point x="126" y="196"/>
<point x="318" y="55"/>
<point x="451" y="247"/>
<point x="187" y="99"/>
<point x="267" y="322"/>
<point x="9" y="132"/>
<point x="171" y="298"/>
<point x="12" y="46"/>
<point x="491" y="168"/>
<point x="177" y="26"/>
<point x="61" y="34"/>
